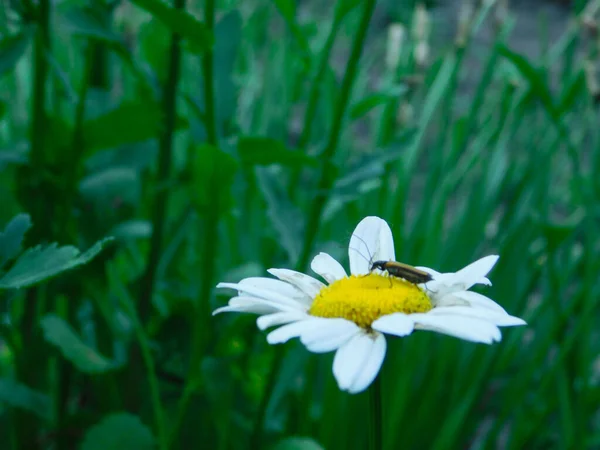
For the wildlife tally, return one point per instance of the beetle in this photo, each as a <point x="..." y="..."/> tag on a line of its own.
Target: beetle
<point x="397" y="269"/>
<point x="401" y="270"/>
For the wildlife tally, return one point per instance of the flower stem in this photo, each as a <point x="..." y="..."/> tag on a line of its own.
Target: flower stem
<point x="313" y="100"/>
<point x="328" y="172"/>
<point x="376" y="430"/>
<point x="261" y="414"/>
<point x="149" y="365"/>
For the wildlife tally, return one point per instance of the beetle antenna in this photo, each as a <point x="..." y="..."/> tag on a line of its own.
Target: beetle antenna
<point x="370" y="260"/>
<point x="358" y="251"/>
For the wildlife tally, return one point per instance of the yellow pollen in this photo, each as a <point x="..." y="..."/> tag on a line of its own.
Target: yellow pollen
<point x="365" y="298"/>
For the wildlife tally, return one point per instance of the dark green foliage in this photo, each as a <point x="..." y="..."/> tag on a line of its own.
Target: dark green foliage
<point x="119" y="430"/>
<point x="11" y="50"/>
<point x="179" y="144"/>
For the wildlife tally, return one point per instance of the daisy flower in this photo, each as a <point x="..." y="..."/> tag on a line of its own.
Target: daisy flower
<point x="351" y="314"/>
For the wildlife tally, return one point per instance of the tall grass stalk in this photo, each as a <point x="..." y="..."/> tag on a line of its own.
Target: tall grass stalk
<point x="28" y="365"/>
<point x="160" y="207"/>
<point x="327" y="176"/>
<point x="200" y="323"/>
<point x="314" y="97"/>
<point x="325" y="183"/>
<point x="159" y="213"/>
<point x="376" y="425"/>
<point x="151" y="374"/>
<point x="67" y="233"/>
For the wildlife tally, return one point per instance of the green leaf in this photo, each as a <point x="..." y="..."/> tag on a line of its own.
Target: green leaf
<point x="119" y="431"/>
<point x="153" y="46"/>
<point x="537" y="83"/>
<point x="12" y="237"/>
<point x="265" y="151"/>
<point x="365" y="105"/>
<point x="228" y="32"/>
<point x="572" y="92"/>
<point x="17" y="395"/>
<point x="287" y="9"/>
<point x="178" y="21"/>
<point x="132" y="229"/>
<point x="344" y="7"/>
<point x="11" y="50"/>
<point x="285" y="217"/>
<point x="115" y="182"/>
<point x="88" y="22"/>
<point x="213" y="172"/>
<point x="85" y="358"/>
<point x="297" y="443"/>
<point x="127" y="124"/>
<point x="16" y="156"/>
<point x="42" y="262"/>
<point x="558" y="231"/>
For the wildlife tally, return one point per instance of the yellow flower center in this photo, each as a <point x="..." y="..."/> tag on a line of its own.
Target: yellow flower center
<point x="365" y="298"/>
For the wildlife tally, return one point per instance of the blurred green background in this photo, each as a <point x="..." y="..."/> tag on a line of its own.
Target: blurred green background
<point x="213" y="140"/>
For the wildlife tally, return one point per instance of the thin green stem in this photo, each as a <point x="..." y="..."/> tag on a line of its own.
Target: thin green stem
<point x="160" y="207"/>
<point x="208" y="77"/>
<point x="148" y="361"/>
<point x="376" y="428"/>
<point x="212" y="216"/>
<point x="328" y="172"/>
<point x="184" y="404"/>
<point x="38" y="123"/>
<point x="159" y="212"/>
<point x="30" y="367"/>
<point x="73" y="160"/>
<point x="211" y="219"/>
<point x="68" y="233"/>
<point x="313" y="100"/>
<point x="257" y="433"/>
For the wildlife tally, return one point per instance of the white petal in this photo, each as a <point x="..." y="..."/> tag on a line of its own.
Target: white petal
<point x="371" y="241"/>
<point x="467" y="328"/>
<point x="357" y="362"/>
<point x="469" y="298"/>
<point x="256" y="309"/>
<point x="271" y="296"/>
<point x="307" y="284"/>
<point x="398" y="324"/>
<point x="326" y="266"/>
<point x="500" y="319"/>
<point x="333" y="334"/>
<point x="430" y="271"/>
<point x="485" y="281"/>
<point x="271" y="284"/>
<point x="292" y="330"/>
<point x="244" y="301"/>
<point x="252" y="305"/>
<point x="476" y="271"/>
<point x="372" y="366"/>
<point x="481" y="267"/>
<point x="260" y="302"/>
<point x="279" y="318"/>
